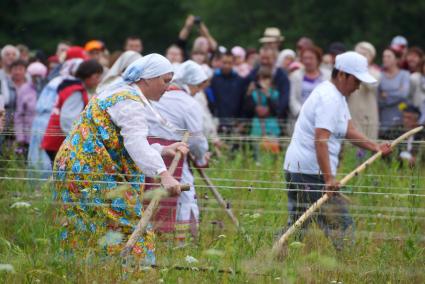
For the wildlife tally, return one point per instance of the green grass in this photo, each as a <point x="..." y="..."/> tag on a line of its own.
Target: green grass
<point x="389" y="244"/>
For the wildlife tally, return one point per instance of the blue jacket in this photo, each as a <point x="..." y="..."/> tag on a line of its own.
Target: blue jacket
<point x="226" y="95"/>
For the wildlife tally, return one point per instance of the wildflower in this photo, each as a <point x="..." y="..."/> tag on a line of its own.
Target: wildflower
<point x="255" y="215"/>
<point x="7" y="268"/>
<point x="402" y="106"/>
<point x="111" y="238"/>
<point x="20" y="204"/>
<point x="296" y="245"/>
<point x="221" y="236"/>
<point x="190" y="259"/>
<point x="214" y="252"/>
<point x="146" y="268"/>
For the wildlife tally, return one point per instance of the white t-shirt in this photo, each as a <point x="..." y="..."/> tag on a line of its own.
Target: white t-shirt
<point x="325" y="108"/>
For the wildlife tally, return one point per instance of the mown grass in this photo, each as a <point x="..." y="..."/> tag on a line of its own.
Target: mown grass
<point x="389" y="244"/>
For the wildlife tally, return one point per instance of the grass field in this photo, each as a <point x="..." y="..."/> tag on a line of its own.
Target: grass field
<point x="387" y="203"/>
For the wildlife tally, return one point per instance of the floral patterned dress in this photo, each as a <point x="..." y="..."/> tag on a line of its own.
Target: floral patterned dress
<point x="91" y="164"/>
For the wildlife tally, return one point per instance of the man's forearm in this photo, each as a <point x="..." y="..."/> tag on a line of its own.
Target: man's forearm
<point x="360" y="140"/>
<point x="322" y="154"/>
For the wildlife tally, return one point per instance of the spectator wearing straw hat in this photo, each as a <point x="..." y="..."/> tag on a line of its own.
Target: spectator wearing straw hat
<point x="311" y="160"/>
<point x="272" y="38"/>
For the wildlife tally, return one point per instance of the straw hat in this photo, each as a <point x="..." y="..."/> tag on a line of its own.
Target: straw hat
<point x="271" y="34"/>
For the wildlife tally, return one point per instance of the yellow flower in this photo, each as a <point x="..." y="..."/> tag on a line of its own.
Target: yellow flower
<point x="402" y="106"/>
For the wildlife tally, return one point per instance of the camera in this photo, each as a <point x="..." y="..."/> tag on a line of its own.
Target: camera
<point x="198" y="20"/>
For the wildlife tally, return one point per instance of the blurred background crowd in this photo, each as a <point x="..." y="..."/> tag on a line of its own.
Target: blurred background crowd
<point x="252" y="91"/>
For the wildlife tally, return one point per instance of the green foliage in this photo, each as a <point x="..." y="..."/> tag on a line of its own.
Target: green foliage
<point x="41" y="24"/>
<point x="243" y="22"/>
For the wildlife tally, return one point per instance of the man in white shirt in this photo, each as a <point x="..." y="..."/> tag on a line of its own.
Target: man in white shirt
<point x="311" y="160"/>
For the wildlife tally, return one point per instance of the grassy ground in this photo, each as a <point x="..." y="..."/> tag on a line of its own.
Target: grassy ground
<point x="389" y="244"/>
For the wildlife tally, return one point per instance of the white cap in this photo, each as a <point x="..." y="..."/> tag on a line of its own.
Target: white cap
<point x="355" y="64"/>
<point x="399" y="40"/>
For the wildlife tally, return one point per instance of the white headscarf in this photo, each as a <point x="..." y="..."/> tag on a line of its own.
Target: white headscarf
<point x="118" y="68"/>
<point x="189" y="73"/>
<point x="70" y="67"/>
<point x="147" y="67"/>
<point x="282" y="55"/>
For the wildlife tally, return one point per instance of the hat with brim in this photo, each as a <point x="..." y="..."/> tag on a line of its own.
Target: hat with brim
<point x="365" y="77"/>
<point x="354" y="64"/>
<point x="271" y="34"/>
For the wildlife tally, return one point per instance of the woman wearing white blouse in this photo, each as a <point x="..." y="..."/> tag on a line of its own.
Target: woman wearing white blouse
<point x="106" y="147"/>
<point x="180" y="108"/>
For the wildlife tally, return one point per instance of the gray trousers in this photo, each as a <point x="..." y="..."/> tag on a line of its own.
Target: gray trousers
<point x="333" y="217"/>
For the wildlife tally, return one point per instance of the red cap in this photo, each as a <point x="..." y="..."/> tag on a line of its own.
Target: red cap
<point x="76" y="52"/>
<point x="53" y="59"/>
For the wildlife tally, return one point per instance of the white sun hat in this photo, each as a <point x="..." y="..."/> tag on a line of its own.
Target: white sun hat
<point x="355" y="64"/>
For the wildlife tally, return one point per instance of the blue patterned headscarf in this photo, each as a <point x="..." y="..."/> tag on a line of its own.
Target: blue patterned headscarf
<point x="147" y="67"/>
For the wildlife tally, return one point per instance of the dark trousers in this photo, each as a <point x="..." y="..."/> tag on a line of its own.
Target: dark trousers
<point x="333" y="217"/>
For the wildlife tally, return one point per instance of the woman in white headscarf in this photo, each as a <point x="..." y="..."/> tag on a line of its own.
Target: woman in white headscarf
<point x="118" y="68"/>
<point x="285" y="58"/>
<point x="180" y="108"/>
<point x="107" y="146"/>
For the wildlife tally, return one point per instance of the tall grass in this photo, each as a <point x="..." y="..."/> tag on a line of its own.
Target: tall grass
<point x="388" y="248"/>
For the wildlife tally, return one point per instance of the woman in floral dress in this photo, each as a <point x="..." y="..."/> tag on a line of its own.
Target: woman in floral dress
<point x="107" y="147"/>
